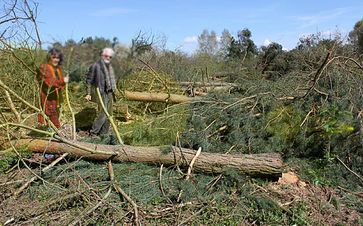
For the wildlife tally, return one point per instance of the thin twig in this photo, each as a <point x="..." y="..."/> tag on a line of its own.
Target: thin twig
<point x="356" y="174"/>
<point x="192" y="163"/>
<point x="21" y="159"/>
<point x="121" y="192"/>
<point x="12" y="106"/>
<point x="5" y="87"/>
<point x="79" y="218"/>
<point x="306" y="117"/>
<point x="67" y="98"/>
<point x="160" y="180"/>
<point x="359" y="194"/>
<point x="24" y="186"/>
<point x="161" y="183"/>
<point x="190" y="217"/>
<point x="318" y="73"/>
<point x="72" y="114"/>
<point x="110" y="117"/>
<point x="55" y="136"/>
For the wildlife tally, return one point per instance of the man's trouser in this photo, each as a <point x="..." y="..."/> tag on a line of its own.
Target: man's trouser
<point x="101" y="125"/>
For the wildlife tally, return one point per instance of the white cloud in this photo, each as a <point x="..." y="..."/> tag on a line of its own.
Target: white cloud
<point x="112" y="12"/>
<point x="327" y="34"/>
<point x="321" y="17"/>
<point x="267" y="42"/>
<point x="286" y="49"/>
<point x="190" y="40"/>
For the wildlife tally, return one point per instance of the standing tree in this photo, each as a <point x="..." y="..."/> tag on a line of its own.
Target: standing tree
<point x="243" y="47"/>
<point x="269" y="54"/>
<point x="356" y="36"/>
<point x="225" y="42"/>
<point x="208" y="43"/>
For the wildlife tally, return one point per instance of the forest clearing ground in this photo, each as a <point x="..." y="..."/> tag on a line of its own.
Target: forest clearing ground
<point x="323" y="204"/>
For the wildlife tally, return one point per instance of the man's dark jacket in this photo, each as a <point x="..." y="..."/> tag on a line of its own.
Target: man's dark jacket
<point x="96" y="77"/>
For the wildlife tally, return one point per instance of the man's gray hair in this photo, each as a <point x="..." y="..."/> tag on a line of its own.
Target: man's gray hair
<point x="108" y="52"/>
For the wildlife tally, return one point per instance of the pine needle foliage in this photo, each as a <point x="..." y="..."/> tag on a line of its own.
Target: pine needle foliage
<point x="9" y="158"/>
<point x="155" y="130"/>
<point x="208" y="199"/>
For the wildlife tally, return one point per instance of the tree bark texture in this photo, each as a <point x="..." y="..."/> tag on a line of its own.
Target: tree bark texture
<point x="268" y="164"/>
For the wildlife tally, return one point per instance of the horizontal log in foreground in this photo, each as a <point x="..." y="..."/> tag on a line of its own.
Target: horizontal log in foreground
<point x="268" y="164"/>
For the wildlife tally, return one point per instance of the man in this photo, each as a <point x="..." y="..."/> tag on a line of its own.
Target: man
<point x="101" y="75"/>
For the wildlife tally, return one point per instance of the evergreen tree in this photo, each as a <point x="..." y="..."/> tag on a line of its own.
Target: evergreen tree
<point x="269" y="54"/>
<point x="243" y="47"/>
<point x="356" y="36"/>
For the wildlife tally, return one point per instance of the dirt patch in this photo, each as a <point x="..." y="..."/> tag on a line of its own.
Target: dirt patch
<point x="324" y="204"/>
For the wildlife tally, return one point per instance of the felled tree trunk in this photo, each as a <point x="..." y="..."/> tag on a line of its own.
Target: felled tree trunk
<point x="208" y="84"/>
<point x="269" y="164"/>
<point x="156" y="97"/>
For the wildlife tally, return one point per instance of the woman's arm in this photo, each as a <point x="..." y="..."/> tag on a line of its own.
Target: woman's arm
<point x="49" y="78"/>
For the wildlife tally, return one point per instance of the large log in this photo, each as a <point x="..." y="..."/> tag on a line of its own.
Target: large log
<point x="208" y="84"/>
<point x="156" y="97"/>
<point x="269" y="164"/>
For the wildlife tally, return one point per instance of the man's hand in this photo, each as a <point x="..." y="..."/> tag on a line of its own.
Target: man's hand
<point x="118" y="94"/>
<point x="66" y="79"/>
<point x="88" y="97"/>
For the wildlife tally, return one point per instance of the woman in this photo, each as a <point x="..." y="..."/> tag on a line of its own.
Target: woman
<point x="52" y="82"/>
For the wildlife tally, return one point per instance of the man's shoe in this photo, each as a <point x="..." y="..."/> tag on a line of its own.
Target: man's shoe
<point x="94" y="136"/>
<point x="49" y="157"/>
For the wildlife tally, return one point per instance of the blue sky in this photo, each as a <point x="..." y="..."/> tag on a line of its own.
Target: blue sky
<point x="181" y="21"/>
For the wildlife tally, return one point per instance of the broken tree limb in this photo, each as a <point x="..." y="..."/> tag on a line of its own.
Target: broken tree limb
<point x="109" y="116"/>
<point x="24" y="186"/>
<point x="268" y="164"/>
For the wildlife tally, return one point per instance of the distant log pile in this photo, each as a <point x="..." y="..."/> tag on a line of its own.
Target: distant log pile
<point x="192" y="88"/>
<point x="156" y="97"/>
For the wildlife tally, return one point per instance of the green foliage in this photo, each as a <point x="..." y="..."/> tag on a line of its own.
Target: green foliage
<point x="284" y="123"/>
<point x="335" y="121"/>
<point x="243" y="46"/>
<point x="18" y="68"/>
<point x="9" y="158"/>
<point x="177" y="64"/>
<point x="330" y="126"/>
<point x="225" y="42"/>
<point x="356" y="36"/>
<point x="220" y="200"/>
<point x="281" y="104"/>
<point x="155" y="123"/>
<point x="155" y="130"/>
<point x="273" y="61"/>
<point x="222" y="123"/>
<point x="325" y="173"/>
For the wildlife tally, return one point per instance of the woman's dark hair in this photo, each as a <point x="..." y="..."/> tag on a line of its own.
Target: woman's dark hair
<point x="55" y="52"/>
